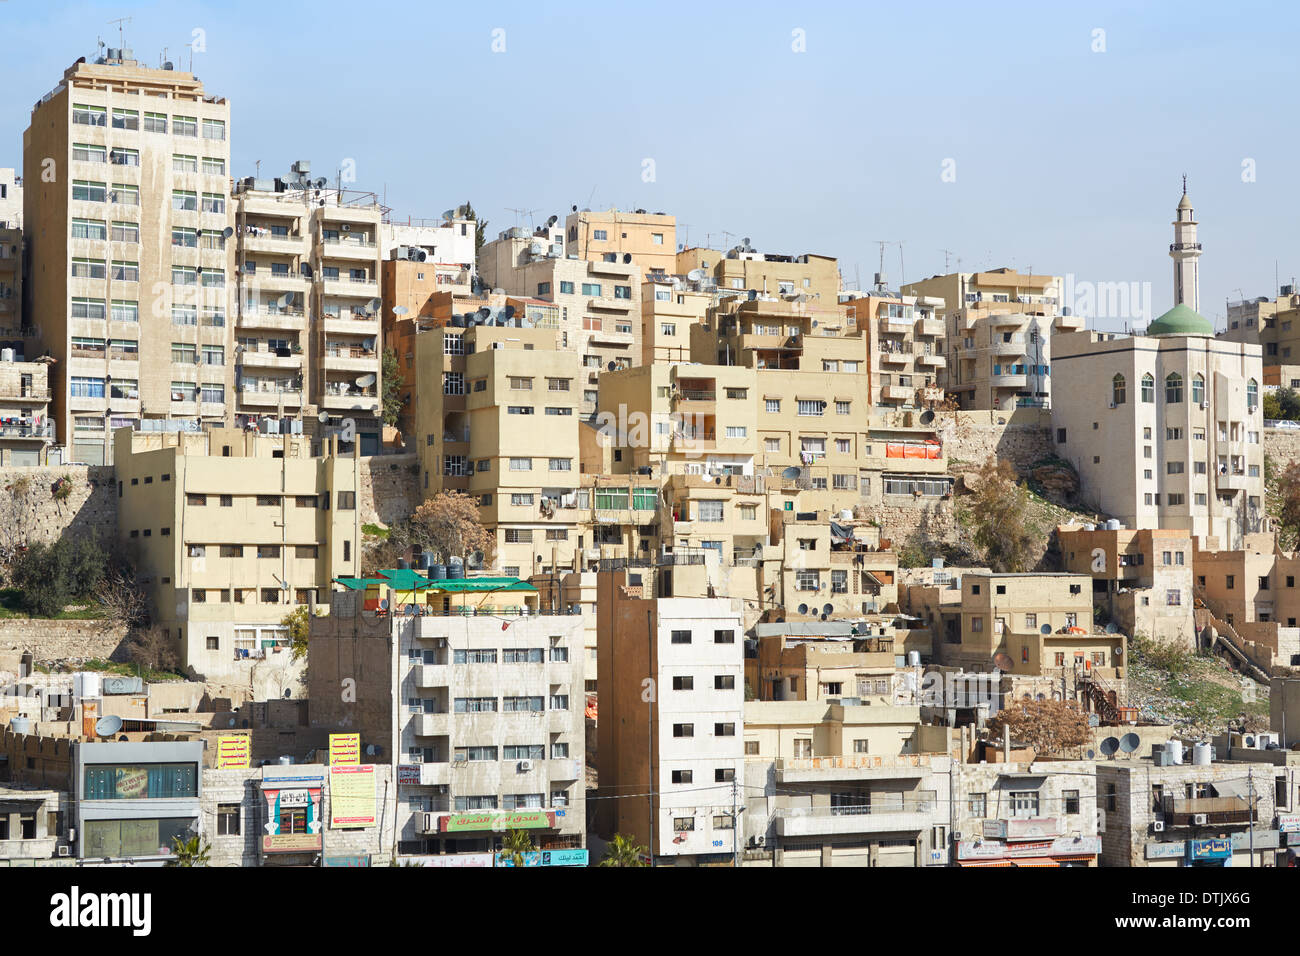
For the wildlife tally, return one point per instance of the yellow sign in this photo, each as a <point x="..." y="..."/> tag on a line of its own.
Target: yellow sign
<point x="233" y="752"/>
<point x="345" y="750"/>
<point x="352" y="797"/>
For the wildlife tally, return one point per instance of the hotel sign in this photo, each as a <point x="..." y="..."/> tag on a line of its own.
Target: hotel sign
<point x="493" y="820"/>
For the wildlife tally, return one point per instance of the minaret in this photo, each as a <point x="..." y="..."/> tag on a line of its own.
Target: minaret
<point x="1185" y="251"/>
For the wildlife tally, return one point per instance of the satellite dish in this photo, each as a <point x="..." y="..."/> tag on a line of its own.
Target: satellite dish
<point x="792" y="473"/>
<point x="305" y="270"/>
<point x="365" y="381"/>
<point x="228" y="232"/>
<point x="828" y="608"/>
<point x="1111" y="628"/>
<point x="1109" y="746"/>
<point x="484" y="313"/>
<point x="627" y="257"/>
<point x="323" y="418"/>
<point x="458" y="321"/>
<point x="449" y="214"/>
<point x="802" y="609"/>
<point x="1129" y="743"/>
<point x="368" y="344"/>
<point x="285" y="300"/>
<point x="373" y="306"/>
<point x="320" y="183"/>
<point x="575" y="209"/>
<point x="696" y="275"/>
<point x="108" y="726"/>
<point x="400" y="310"/>
<point x="510" y="312"/>
<point x="814" y="323"/>
<point x="1045" y="629"/>
<point x="927" y="416"/>
<point x="1091" y="754"/>
<point x="1002" y="662"/>
<point x="612" y="366"/>
<point x="552" y="221"/>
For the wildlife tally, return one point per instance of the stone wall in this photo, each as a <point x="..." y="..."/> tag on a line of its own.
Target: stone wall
<point x="59" y="640"/>
<point x="390" y="488"/>
<point x="30" y="512"/>
<point x="1282" y="445"/>
<point x="1023" y="437"/>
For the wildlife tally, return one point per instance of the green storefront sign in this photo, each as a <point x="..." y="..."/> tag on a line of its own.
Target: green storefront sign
<point x="492" y="820"/>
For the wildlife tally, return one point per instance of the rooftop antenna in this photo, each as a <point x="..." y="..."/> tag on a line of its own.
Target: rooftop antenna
<point x="520" y="213"/>
<point x="902" y="270"/>
<point x="726" y="236"/>
<point x="257" y="169"/>
<point x="946" y="254"/>
<point x="121" y="29"/>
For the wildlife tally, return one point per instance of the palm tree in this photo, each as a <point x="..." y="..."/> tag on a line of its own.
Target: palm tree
<point x="622" y="851"/>
<point x="191" y="852"/>
<point x="516" y="844"/>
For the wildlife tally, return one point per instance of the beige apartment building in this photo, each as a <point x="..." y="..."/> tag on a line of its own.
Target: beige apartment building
<point x="998" y="331"/>
<point x="505" y="430"/>
<point x="598" y="302"/>
<point x="309" y="336"/>
<point x="814" y="278"/>
<point x="131" y="237"/>
<point x="481" y="710"/>
<point x="1141" y="578"/>
<point x="230" y="530"/>
<point x="841" y="783"/>
<point x="812" y="661"/>
<point x="670" y="307"/>
<point x="1251" y="593"/>
<point x="26" y="428"/>
<point x="12" y="319"/>
<point x="1165" y="428"/>
<point x="647" y="241"/>
<point x="906" y="346"/>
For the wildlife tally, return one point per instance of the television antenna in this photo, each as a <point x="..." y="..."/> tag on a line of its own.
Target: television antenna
<point x="521" y="213"/>
<point x="946" y="254"/>
<point x="121" y="29"/>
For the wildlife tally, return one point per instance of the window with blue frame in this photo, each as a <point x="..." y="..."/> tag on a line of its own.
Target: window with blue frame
<point x="87" y="387"/>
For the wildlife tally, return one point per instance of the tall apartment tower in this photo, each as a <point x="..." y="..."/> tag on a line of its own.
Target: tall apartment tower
<point x="308" y="326"/>
<point x="125" y="171"/>
<point x="1186" y="253"/>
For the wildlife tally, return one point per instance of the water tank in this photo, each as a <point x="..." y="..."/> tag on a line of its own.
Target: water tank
<point x="1201" y="754"/>
<point x="6" y="355"/>
<point x="455" y="568"/>
<point x="426" y="560"/>
<point x="20" y="725"/>
<point x="846" y="514"/>
<point x="1089" y="527"/>
<point x="1112" y="524"/>
<point x="86" y="684"/>
<point x="286" y="761"/>
<point x="437" y="572"/>
<point x="913" y="658"/>
<point x="403" y="564"/>
<point x="1175" y="750"/>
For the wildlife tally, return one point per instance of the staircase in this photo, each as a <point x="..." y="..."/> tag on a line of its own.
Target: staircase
<point x="1099" y="690"/>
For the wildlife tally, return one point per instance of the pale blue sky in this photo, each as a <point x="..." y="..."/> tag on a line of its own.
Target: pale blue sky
<point x="1067" y="160"/>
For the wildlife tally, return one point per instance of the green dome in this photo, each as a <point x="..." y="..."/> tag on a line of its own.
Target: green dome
<point x="1181" y="320"/>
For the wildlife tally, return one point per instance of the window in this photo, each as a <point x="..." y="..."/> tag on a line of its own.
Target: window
<point x="227" y="819"/>
<point x="683" y="776"/>
<point x="146" y="780"/>
<point x="811" y="407"/>
<point x="1198" y="389"/>
<point x="1173" y="388"/>
<point x="683" y="683"/>
<point x="773" y="405"/>
<point x="724" y="636"/>
<point x="185" y="126"/>
<point x="842" y="408"/>
<point x="724" y="730"/>
<point x="521" y="464"/>
<point x="680" y="637"/>
<point x="724" y="774"/>
<point x="1118" y="390"/>
<point x="1148" y="388"/>
<point x="683" y="730"/>
<point x="737" y="431"/>
<point x="1024" y="803"/>
<point x="683" y="824"/>
<point x="1070" y="801"/>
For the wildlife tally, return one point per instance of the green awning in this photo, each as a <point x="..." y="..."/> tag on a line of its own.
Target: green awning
<point x="404" y="579"/>
<point x="359" y="584"/>
<point x="463" y="585"/>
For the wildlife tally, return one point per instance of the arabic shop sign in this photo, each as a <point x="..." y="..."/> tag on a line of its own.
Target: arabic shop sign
<point x="1209" y="849"/>
<point x="490" y="820"/>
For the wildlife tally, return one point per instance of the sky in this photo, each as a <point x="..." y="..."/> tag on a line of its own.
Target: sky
<point x="1044" y="136"/>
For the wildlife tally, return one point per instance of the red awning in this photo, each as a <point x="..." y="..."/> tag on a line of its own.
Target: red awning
<point x="984" y="863"/>
<point x="1035" y="861"/>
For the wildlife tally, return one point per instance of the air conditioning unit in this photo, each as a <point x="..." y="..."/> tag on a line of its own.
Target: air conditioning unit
<point x="1198" y="819"/>
<point x="64" y="850"/>
<point x="498" y="345"/>
<point x="460" y="757"/>
<point x="1204" y="405"/>
<point x="1112" y="404"/>
<point x="525" y="766"/>
<point x="1158" y="826"/>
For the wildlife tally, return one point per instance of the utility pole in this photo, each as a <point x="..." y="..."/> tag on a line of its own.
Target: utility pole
<point x="1250" y="821"/>
<point x="735" y="845"/>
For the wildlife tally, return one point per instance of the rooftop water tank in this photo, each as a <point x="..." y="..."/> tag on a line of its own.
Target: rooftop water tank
<point x="86" y="684"/>
<point x="913" y="658"/>
<point x="455" y="568"/>
<point x="286" y="761"/>
<point x="1201" y="754"/>
<point x="437" y="572"/>
<point x="1175" y="751"/>
<point x="20" y="725"/>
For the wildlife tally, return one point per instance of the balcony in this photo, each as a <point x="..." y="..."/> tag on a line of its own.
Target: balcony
<point x="697" y="395"/>
<point x="1009" y="380"/>
<point x="270" y="398"/>
<point x="897" y="393"/>
<point x="1068" y="323"/>
<point x="907" y="816"/>
<point x="351" y="288"/>
<point x="265" y="358"/>
<point x="350" y="360"/>
<point x="853" y="767"/>
<point x="431" y="725"/>
<point x="271" y="243"/>
<point x="933" y="361"/>
<point x="566" y="769"/>
<point x="431" y="675"/>
<point x="1215" y="811"/>
<point x="1016" y="347"/>
<point x="275" y="282"/>
<point x="896" y="326"/>
<point x="1000" y="320"/>
<point x="1023" y="828"/>
<point x="352" y="247"/>
<point x="355" y="402"/>
<point x="21" y="430"/>
<point x="892" y="357"/>
<point x="264" y="319"/>
<point x="351" y="324"/>
<point x="930" y="327"/>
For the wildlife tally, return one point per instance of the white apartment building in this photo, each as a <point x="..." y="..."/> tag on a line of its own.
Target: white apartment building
<point x="686" y="741"/>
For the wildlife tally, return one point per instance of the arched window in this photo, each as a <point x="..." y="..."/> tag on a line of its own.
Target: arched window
<point x="1118" y="390"/>
<point x="1198" y="389"/>
<point x="1148" y="388"/>
<point x="1252" y="395"/>
<point x="1173" y="388"/>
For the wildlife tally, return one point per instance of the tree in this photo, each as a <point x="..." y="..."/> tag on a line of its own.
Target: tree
<point x="192" y="852"/>
<point x="153" y="650"/>
<point x="1048" y="726"/>
<point x="622" y="851"/>
<point x="122" y="601"/>
<point x="448" y="525"/>
<point x="480" y="228"/>
<point x="999" y="513"/>
<point x="51" y="576"/>
<point x="391" y="373"/>
<point x="299" y="625"/>
<point x="1282" y="404"/>
<point x="1288" y="505"/>
<point x="515" y="844"/>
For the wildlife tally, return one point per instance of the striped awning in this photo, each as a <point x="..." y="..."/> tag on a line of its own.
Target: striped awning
<point x="1036" y="861"/>
<point x="984" y="863"/>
